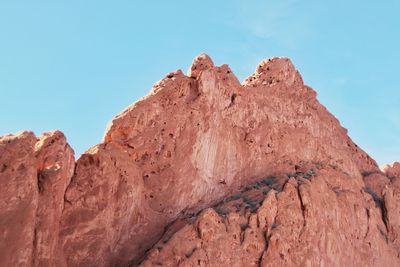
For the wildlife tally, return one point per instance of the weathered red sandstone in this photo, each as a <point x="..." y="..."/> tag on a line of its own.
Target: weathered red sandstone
<point x="34" y="174"/>
<point x="204" y="171"/>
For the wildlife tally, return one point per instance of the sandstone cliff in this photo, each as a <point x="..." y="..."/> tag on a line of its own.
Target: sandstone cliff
<point x="204" y="171"/>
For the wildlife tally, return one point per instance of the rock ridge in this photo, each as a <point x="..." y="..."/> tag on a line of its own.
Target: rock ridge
<point x="167" y="159"/>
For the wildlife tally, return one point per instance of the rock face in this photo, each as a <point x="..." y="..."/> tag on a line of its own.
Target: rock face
<point x="318" y="218"/>
<point x="34" y="174"/>
<point x="204" y="171"/>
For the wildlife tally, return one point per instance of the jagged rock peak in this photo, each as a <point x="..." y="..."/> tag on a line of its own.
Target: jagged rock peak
<point x="272" y="71"/>
<point x="8" y="138"/>
<point x="392" y="170"/>
<point x="201" y="62"/>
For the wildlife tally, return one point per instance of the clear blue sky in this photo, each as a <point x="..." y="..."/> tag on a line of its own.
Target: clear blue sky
<point x="73" y="65"/>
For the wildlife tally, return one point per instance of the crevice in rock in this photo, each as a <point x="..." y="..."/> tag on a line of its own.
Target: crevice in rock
<point x="268" y="233"/>
<point x="380" y="204"/>
<point x="243" y="228"/>
<point x="40" y="181"/>
<point x="233" y="97"/>
<point x="266" y="239"/>
<point x="190" y="253"/>
<point x="70" y="179"/>
<point x="259" y="261"/>
<point x="368" y="173"/>
<point x="303" y="209"/>
<point x="368" y="222"/>
<point x="385" y="218"/>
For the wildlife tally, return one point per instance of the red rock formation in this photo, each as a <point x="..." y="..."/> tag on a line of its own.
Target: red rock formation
<point x="319" y="219"/>
<point x="34" y="174"/>
<point x="191" y="142"/>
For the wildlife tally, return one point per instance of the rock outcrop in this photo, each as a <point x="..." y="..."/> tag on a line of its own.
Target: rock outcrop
<point x="318" y="218"/>
<point x="34" y="174"/>
<point x="203" y="171"/>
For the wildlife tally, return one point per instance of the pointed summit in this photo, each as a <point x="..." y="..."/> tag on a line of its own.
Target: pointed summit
<point x="392" y="170"/>
<point x="272" y="71"/>
<point x="201" y="62"/>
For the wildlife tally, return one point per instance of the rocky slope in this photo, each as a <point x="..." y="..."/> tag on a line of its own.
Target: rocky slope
<point x="204" y="171"/>
<point x="318" y="218"/>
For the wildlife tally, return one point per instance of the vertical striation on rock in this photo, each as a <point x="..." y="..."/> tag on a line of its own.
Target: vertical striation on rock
<point x="55" y="167"/>
<point x="19" y="199"/>
<point x="195" y="140"/>
<point x="34" y="175"/>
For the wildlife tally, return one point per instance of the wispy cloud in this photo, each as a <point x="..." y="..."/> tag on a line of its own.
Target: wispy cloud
<point x="276" y="21"/>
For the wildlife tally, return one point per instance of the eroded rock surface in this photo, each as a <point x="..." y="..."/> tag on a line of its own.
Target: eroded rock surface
<point x="192" y="142"/>
<point x="34" y="175"/>
<point x="319" y="218"/>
